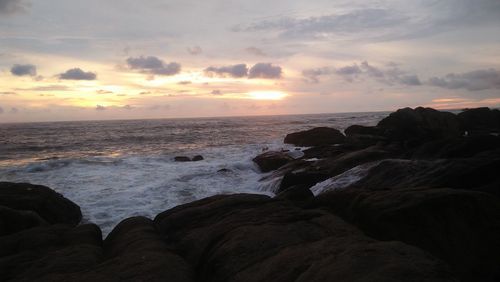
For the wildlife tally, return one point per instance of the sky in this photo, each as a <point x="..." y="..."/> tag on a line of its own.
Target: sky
<point x="127" y="59"/>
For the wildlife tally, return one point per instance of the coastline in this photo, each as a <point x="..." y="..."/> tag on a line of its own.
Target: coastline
<point x="427" y="208"/>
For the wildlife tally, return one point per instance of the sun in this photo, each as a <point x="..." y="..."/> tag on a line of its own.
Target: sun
<point x="266" y="95"/>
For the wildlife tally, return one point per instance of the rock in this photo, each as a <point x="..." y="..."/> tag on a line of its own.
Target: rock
<point x="197" y="158"/>
<point x="49" y="253"/>
<point x="46" y="203"/>
<point x="315" y="137"/>
<point x="182" y="159"/>
<point x="298" y="193"/>
<point x="469" y="174"/>
<point x="12" y="221"/>
<point x="363" y="130"/>
<point x="463" y="147"/>
<point x="224" y="170"/>
<point x="461" y="227"/>
<point x="480" y="120"/>
<point x="272" y="160"/>
<point x="419" y="125"/>
<point x="255" y="238"/>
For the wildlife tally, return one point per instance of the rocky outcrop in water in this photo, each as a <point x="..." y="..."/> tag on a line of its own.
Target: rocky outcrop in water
<point x="414" y="198"/>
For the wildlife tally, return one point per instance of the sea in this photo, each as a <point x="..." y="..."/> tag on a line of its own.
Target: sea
<point x="123" y="168"/>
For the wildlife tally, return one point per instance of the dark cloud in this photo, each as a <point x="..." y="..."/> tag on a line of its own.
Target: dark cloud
<point x="255" y="51"/>
<point x="411" y="80"/>
<point x="195" y="50"/>
<point x="8" y="93"/>
<point x="265" y="70"/>
<point x="77" y="74"/>
<point x="1" y="110"/>
<point x="12" y="6"/>
<point x="237" y="71"/>
<point x="46" y="88"/>
<point x="128" y="107"/>
<point x="23" y="70"/>
<point x="216" y="92"/>
<point x="184" y="82"/>
<point x="153" y="65"/>
<point x="101" y="91"/>
<point x="100" y="108"/>
<point x="391" y="74"/>
<point x="472" y="81"/>
<point x="13" y="110"/>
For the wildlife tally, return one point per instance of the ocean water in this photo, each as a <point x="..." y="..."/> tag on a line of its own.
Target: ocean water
<point x="117" y="169"/>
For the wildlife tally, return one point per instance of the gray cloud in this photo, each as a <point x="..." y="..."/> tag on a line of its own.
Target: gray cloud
<point x="11" y="6"/>
<point x="318" y="27"/>
<point x="77" y="74"/>
<point x="100" y="108"/>
<point x="184" y="82"/>
<point x="8" y="93"/>
<point x="13" y="110"/>
<point x="255" y="51"/>
<point x="216" y="92"/>
<point x="237" y="71"/>
<point x="265" y="70"/>
<point x="472" y="81"/>
<point x="1" y="110"/>
<point x="23" y="70"/>
<point x="195" y="50"/>
<point x="153" y="65"/>
<point x="390" y="75"/>
<point x="101" y="91"/>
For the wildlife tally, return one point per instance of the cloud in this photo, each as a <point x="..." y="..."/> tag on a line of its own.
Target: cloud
<point x="153" y="65"/>
<point x="412" y="80"/>
<point x="77" y="74"/>
<point x="8" y="93"/>
<point x="195" y="50"/>
<point x="184" y="82"/>
<point x="265" y="70"/>
<point x="389" y="75"/>
<point x="101" y="91"/>
<point x="255" y="51"/>
<point x="11" y="6"/>
<point x="46" y="88"/>
<point x="1" y="110"/>
<point x="23" y="70"/>
<point x="237" y="71"/>
<point x="14" y="110"/>
<point x="325" y="26"/>
<point x="216" y="92"/>
<point x="472" y="81"/>
<point x="100" y="108"/>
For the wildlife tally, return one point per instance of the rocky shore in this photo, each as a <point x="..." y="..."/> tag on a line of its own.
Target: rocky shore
<point x="415" y="198"/>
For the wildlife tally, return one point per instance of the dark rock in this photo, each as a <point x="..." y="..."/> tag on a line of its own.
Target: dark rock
<point x="12" y="221"/>
<point x="224" y="170"/>
<point x="271" y="160"/>
<point x="49" y="253"/>
<point x="307" y="178"/>
<point x="182" y="159"/>
<point x="461" y="227"/>
<point x="363" y="130"/>
<point x="48" y="204"/>
<point x="197" y="158"/>
<point x="298" y="193"/>
<point x="463" y="147"/>
<point x="420" y="124"/>
<point x="480" y="120"/>
<point x="315" y="137"/>
<point x="255" y="238"/>
<point x="470" y="174"/>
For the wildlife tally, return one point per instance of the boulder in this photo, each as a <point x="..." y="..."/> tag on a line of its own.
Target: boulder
<point x="272" y="160"/>
<point x="315" y="137"/>
<point x="297" y="193"/>
<point x="461" y="227"/>
<point x="254" y="238"/>
<point x="182" y="159"/>
<point x="419" y="125"/>
<point x="480" y="120"/>
<point x="197" y="158"/>
<point x="12" y="221"/>
<point x="51" y="206"/>
<point x="363" y="130"/>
